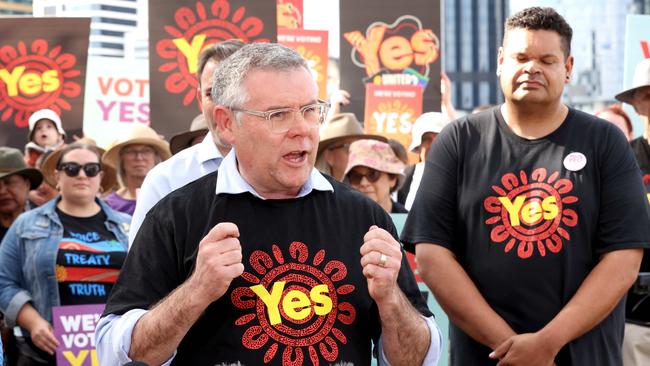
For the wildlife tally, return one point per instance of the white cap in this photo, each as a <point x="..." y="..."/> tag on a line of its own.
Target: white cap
<point x="45" y="114"/>
<point x="427" y="122"/>
<point x="640" y="80"/>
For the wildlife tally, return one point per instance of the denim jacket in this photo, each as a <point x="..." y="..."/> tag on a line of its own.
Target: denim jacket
<point x="28" y="258"/>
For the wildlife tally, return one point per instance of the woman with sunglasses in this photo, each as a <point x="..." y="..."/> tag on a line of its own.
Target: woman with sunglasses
<point x="374" y="170"/>
<point x="67" y="252"/>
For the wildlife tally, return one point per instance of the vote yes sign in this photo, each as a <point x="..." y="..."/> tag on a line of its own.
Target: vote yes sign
<point x="42" y="65"/>
<point x="391" y="110"/>
<point x="178" y="32"/>
<point x="74" y="328"/>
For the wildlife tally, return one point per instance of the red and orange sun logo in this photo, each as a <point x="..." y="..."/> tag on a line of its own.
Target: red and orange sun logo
<point x="195" y="30"/>
<point x="295" y="304"/>
<point x="33" y="77"/>
<point x="531" y="214"/>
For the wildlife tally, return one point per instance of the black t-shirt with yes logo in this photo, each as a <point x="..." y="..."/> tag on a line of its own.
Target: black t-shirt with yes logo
<point x="529" y="219"/>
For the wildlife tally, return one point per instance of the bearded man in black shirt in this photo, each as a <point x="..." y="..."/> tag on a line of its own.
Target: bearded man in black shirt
<point x="266" y="261"/>
<point x="530" y="221"/>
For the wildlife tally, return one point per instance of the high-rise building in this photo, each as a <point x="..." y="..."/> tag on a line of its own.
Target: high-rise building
<point x="473" y="31"/>
<point x="640" y="7"/>
<point x="112" y="21"/>
<point x="15" y="7"/>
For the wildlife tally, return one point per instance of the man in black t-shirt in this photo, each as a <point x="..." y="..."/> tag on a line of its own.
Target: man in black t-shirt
<point x="534" y="216"/>
<point x="282" y="266"/>
<point x="636" y="345"/>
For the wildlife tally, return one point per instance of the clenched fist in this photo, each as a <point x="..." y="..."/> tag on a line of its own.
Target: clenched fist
<point x="381" y="259"/>
<point x="218" y="262"/>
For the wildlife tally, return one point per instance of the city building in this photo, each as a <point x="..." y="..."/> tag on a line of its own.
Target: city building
<point x="113" y="22"/>
<point x="15" y="7"/>
<point x="472" y="34"/>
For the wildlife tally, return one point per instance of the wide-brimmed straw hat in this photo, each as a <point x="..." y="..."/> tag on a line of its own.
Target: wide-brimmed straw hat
<point x="109" y="180"/>
<point x="340" y="127"/>
<point x="374" y="154"/>
<point x="182" y="141"/>
<point x="13" y="163"/>
<point x="640" y="80"/>
<point x="427" y="122"/>
<point x="137" y="134"/>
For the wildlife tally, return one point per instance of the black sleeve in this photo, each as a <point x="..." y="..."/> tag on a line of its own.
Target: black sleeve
<point x="624" y="211"/>
<point x="432" y="218"/>
<point x="152" y="268"/>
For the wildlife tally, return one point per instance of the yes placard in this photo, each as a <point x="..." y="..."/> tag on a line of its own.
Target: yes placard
<point x="391" y="110"/>
<point x="312" y="46"/>
<point x="74" y="328"/>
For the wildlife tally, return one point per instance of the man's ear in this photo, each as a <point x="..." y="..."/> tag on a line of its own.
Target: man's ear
<point x="499" y="61"/>
<point x="199" y="98"/>
<point x="224" y="121"/>
<point x="568" y="66"/>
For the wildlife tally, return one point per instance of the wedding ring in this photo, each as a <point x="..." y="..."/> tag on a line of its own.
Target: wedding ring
<point x="382" y="260"/>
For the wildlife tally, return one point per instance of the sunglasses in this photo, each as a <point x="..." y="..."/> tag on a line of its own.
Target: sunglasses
<point x="371" y="175"/>
<point x="73" y="169"/>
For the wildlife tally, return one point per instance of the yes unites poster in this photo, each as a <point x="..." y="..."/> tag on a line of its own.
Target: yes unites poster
<point x="384" y="44"/>
<point x="178" y="32"/>
<point x="42" y="65"/>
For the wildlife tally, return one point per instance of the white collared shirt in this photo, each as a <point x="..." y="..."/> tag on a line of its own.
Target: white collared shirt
<point x="230" y="181"/>
<point x="185" y="167"/>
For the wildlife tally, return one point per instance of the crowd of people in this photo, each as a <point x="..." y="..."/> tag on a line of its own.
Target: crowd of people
<point x="263" y="233"/>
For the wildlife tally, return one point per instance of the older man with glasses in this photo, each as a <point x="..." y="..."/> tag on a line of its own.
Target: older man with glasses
<point x="244" y="265"/>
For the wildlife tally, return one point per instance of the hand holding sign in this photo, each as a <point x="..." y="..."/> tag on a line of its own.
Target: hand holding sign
<point x="218" y="261"/>
<point x="42" y="335"/>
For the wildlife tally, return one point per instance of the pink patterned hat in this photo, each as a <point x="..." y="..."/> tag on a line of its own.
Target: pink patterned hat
<point x="374" y="154"/>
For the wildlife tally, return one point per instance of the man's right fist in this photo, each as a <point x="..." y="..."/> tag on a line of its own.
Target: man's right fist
<point x="218" y="262"/>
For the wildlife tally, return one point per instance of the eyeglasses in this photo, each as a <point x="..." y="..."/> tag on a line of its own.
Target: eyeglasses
<point x="73" y="169"/>
<point x="146" y="152"/>
<point x="281" y="119"/>
<point x="371" y="175"/>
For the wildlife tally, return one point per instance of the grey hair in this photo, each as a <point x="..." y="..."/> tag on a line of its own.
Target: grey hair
<point x="231" y="72"/>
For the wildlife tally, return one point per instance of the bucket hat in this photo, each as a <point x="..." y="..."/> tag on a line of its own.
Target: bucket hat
<point x="374" y="154"/>
<point x="427" y="122"/>
<point x="13" y="163"/>
<point x="640" y="80"/>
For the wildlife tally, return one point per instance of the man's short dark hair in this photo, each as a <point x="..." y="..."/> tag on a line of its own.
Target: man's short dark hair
<point x="218" y="52"/>
<point x="537" y="18"/>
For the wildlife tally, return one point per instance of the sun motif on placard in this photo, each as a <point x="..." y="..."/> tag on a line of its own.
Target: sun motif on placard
<point x="294" y="340"/>
<point x="313" y="61"/>
<point x="216" y="22"/>
<point x="52" y="69"/>
<point x="531" y="213"/>
<point x="396" y="106"/>
<point x="288" y="15"/>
